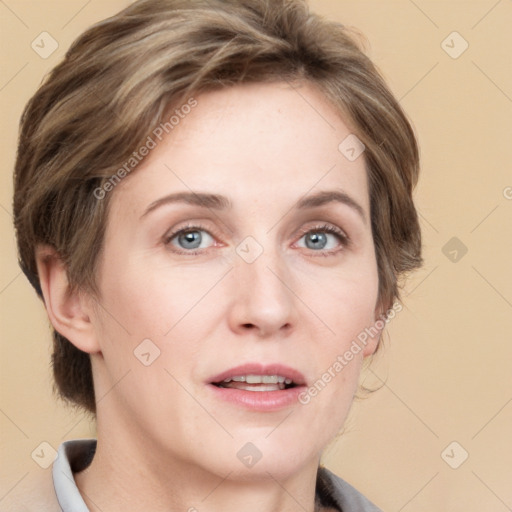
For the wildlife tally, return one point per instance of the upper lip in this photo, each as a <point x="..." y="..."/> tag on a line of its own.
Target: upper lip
<point x="261" y="369"/>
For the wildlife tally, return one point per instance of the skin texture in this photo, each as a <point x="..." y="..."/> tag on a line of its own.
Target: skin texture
<point x="163" y="437"/>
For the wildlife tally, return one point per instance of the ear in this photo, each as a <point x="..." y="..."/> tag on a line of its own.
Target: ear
<point x="375" y="330"/>
<point x="69" y="311"/>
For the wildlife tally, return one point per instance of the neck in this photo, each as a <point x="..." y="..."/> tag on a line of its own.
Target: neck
<point x="130" y="475"/>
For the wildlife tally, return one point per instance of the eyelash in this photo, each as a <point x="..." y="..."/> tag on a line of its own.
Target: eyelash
<point x="190" y="227"/>
<point x="343" y="239"/>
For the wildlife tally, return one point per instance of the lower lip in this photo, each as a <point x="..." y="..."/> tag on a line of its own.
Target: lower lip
<point x="262" y="401"/>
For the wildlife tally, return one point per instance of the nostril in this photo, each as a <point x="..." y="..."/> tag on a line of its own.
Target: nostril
<point x="264" y="331"/>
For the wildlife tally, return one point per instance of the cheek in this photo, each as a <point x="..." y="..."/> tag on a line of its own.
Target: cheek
<point x="347" y="306"/>
<point x="151" y="298"/>
<point x="345" y="299"/>
<point x="172" y="308"/>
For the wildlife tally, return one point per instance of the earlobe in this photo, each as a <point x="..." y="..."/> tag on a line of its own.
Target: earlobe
<point x="372" y="345"/>
<point x="68" y="311"/>
<point x="375" y="331"/>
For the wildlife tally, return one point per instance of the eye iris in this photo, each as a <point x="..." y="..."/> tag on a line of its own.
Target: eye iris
<point x="316" y="240"/>
<point x="190" y="239"/>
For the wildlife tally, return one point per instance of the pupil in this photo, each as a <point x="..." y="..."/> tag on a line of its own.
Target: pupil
<point x="190" y="240"/>
<point x="316" y="241"/>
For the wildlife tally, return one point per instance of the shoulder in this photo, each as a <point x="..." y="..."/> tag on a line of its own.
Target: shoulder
<point x="340" y="495"/>
<point x="44" y="490"/>
<point x="33" y="493"/>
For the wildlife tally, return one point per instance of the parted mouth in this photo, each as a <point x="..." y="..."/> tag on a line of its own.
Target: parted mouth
<point x="259" y="377"/>
<point x="257" y="382"/>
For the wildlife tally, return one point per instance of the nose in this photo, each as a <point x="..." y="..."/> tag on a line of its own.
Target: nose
<point x="262" y="298"/>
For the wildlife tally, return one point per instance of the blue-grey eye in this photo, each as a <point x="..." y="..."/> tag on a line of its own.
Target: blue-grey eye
<point x="320" y="240"/>
<point x="316" y="240"/>
<point x="192" y="239"/>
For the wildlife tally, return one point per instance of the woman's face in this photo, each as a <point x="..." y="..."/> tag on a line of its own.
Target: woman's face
<point x="241" y="246"/>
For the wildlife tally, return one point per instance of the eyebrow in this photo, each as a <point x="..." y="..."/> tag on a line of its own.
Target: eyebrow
<point x="219" y="202"/>
<point x="211" y="201"/>
<point x="329" y="196"/>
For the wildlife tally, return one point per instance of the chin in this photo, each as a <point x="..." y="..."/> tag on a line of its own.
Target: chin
<point x="279" y="467"/>
<point x="273" y="456"/>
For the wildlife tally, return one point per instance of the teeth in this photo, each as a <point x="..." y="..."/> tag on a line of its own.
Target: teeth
<point x="256" y="387"/>
<point x="253" y="379"/>
<point x="260" y="379"/>
<point x="267" y="387"/>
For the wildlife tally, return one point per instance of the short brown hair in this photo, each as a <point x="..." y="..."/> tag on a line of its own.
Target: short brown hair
<point x="118" y="81"/>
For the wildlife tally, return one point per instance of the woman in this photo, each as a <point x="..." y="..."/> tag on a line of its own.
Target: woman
<point x="213" y="199"/>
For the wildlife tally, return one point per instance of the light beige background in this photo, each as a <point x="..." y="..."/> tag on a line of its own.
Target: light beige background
<point x="447" y="360"/>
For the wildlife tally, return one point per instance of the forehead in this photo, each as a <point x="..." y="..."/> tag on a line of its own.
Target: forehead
<point x="252" y="143"/>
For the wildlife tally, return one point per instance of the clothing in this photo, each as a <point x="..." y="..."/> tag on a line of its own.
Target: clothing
<point x="39" y="495"/>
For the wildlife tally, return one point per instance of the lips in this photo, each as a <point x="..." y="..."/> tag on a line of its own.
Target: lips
<point x="258" y="387"/>
<point x="257" y="377"/>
